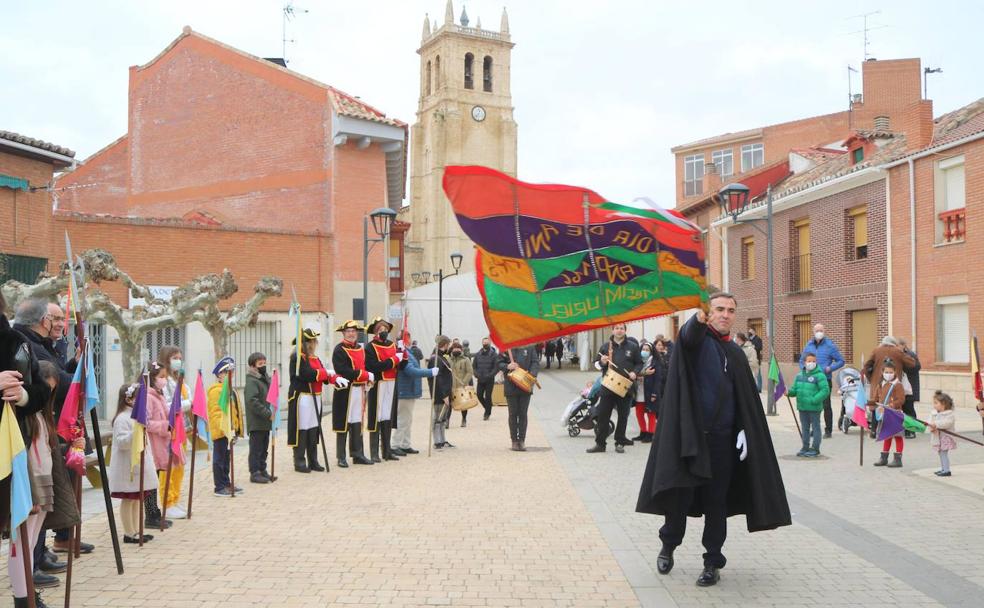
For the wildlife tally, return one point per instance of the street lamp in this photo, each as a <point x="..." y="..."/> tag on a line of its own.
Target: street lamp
<point x="439" y="276"/>
<point x="382" y="219"/>
<point x="734" y="201"/>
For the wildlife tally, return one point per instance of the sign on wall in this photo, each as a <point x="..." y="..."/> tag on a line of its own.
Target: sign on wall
<point x="162" y="292"/>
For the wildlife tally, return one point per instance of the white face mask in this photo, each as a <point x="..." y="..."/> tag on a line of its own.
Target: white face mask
<point x="812" y="365"/>
<point x="818" y="336"/>
<point x="888" y="376"/>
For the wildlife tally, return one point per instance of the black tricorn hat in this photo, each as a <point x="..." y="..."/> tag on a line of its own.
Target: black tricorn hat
<point x="307" y="334"/>
<point x="371" y="327"/>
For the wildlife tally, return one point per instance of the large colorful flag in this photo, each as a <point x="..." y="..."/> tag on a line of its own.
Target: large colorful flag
<point x="175" y="417"/>
<point x="273" y="398"/>
<point x="199" y="407"/>
<point x="859" y="415"/>
<point x="775" y="374"/>
<point x="225" y="407"/>
<point x="68" y="420"/>
<point x="139" y="417"/>
<point x="553" y="260"/>
<point x="13" y="461"/>
<point x="975" y="369"/>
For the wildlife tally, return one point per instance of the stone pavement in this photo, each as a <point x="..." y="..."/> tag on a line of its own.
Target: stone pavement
<point x="861" y="536"/>
<point x="479" y="525"/>
<point x="476" y="525"/>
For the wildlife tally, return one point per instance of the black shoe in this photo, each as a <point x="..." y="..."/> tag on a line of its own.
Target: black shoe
<point x="485" y="417"/>
<point x="342" y="463"/>
<point x="314" y="466"/>
<point x="361" y="460"/>
<point x="51" y="567"/>
<point x="438" y="446"/>
<point x="50" y="555"/>
<point x="647" y="439"/>
<point x="709" y="577"/>
<point x="910" y="434"/>
<point x="447" y="444"/>
<point x="410" y="451"/>
<point x="639" y="437"/>
<point x="133" y="540"/>
<point x="391" y="457"/>
<point x="942" y="473"/>
<point x="258" y="478"/>
<point x="619" y="448"/>
<point x="43" y="580"/>
<point x="664" y="561"/>
<point x="398" y="452"/>
<point x="627" y="442"/>
<point x="156" y="523"/>
<point x="62" y="547"/>
<point x="301" y="467"/>
<point x="827" y="434"/>
<point x="595" y="449"/>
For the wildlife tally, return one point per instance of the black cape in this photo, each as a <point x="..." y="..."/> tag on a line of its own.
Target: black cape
<point x="679" y="456"/>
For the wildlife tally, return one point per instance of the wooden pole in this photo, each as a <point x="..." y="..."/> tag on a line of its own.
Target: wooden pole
<point x="861" y="435"/>
<point x="273" y="455"/>
<point x="100" y="454"/>
<point x="167" y="483"/>
<point x="795" y="418"/>
<point x="140" y="533"/>
<point x="951" y="433"/>
<point x="321" y="434"/>
<point x="28" y="571"/>
<point x="194" y="449"/>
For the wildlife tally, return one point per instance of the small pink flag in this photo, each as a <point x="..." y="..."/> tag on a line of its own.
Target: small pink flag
<point x="177" y="442"/>
<point x="199" y="403"/>
<point x="273" y="398"/>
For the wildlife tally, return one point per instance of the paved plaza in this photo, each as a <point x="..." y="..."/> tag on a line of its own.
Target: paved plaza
<point x="479" y="525"/>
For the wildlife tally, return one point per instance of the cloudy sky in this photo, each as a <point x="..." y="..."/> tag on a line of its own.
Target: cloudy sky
<point x="602" y="90"/>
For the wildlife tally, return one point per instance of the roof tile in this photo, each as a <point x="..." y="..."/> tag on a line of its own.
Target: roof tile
<point x="36" y="143"/>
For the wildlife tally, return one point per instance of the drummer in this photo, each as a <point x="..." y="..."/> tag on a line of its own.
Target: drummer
<point x="622" y="355"/>
<point x="518" y="399"/>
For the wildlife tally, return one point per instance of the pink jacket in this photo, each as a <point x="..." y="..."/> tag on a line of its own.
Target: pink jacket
<point x="157" y="431"/>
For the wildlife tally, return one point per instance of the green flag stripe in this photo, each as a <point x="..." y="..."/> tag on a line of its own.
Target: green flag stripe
<point x="581" y="303"/>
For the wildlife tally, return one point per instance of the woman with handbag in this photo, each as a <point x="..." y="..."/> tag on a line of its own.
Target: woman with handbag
<point x="463" y="395"/>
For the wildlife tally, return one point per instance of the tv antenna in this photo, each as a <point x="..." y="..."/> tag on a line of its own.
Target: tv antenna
<point x="289" y="11"/>
<point x="866" y="30"/>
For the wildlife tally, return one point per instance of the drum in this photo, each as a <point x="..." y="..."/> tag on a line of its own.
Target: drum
<point x="522" y="379"/>
<point x="616" y="383"/>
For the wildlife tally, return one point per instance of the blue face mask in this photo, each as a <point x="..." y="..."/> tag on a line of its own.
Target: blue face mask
<point x="646" y="355"/>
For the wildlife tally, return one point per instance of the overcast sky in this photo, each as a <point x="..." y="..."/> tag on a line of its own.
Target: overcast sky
<point x="602" y="90"/>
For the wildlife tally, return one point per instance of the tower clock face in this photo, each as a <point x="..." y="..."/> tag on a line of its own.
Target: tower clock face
<point x="478" y="113"/>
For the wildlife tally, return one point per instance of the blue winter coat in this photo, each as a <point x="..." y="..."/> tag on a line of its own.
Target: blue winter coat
<point x="826" y="353"/>
<point x="408" y="378"/>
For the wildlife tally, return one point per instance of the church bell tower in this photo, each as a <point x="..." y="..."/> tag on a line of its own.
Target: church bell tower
<point x="464" y="117"/>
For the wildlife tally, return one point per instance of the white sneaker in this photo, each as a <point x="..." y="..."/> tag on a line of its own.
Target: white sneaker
<point x="176" y="512"/>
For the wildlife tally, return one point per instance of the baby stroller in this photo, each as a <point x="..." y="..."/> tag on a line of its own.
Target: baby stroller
<point x="581" y="412"/>
<point x="850" y="382"/>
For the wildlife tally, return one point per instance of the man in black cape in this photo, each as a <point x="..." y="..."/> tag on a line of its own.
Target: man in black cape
<point x="712" y="454"/>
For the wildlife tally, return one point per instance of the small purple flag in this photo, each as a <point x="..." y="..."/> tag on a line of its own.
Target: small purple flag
<point x="775" y="374"/>
<point x="139" y="413"/>
<point x="891" y="424"/>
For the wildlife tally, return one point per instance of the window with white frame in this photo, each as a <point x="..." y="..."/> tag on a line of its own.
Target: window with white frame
<point x="952" y="329"/>
<point x="693" y="174"/>
<point x="752" y="155"/>
<point x="725" y="162"/>
<point x="954" y="190"/>
<point x="951" y="199"/>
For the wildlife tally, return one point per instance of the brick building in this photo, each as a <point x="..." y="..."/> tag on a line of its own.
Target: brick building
<point x="230" y="161"/>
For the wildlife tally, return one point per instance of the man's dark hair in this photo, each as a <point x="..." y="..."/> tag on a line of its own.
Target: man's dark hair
<point x="251" y="361"/>
<point x="722" y="294"/>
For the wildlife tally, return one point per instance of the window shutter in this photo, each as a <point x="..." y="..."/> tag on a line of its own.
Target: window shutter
<point x="954" y="184"/>
<point x="956" y="329"/>
<point x="861" y="230"/>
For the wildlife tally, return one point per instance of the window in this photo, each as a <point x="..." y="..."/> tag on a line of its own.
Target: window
<point x="857" y="155"/>
<point x="951" y="215"/>
<point x="864" y="335"/>
<point x="800" y="264"/>
<point x="752" y="155"/>
<point x="166" y="336"/>
<point x="952" y="329"/>
<point x="21" y="268"/>
<point x="693" y="175"/>
<point x="264" y="337"/>
<point x="437" y="72"/>
<point x="487" y="74"/>
<point x="802" y="330"/>
<point x="724" y="160"/>
<point x="748" y="257"/>
<point x="857" y="233"/>
<point x="427" y="80"/>
<point x="469" y="61"/>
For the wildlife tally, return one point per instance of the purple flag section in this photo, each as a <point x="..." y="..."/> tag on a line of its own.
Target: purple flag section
<point x="891" y="424"/>
<point x="172" y="414"/>
<point x="139" y="413"/>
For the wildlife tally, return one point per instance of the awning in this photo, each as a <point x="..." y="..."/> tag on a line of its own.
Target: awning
<point x="14" y="183"/>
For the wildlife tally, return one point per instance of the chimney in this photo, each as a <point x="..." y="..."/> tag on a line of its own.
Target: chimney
<point x="882" y="123"/>
<point x="917" y="125"/>
<point x="712" y="179"/>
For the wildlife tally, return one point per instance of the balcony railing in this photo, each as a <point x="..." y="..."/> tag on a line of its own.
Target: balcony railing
<point x="954" y="224"/>
<point x="798" y="273"/>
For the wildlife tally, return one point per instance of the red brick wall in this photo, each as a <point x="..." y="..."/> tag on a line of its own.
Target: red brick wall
<point x="889" y="87"/>
<point x="99" y="185"/>
<point x="359" y="186"/>
<point x="26" y="230"/>
<point x="953" y="269"/>
<point x="839" y="285"/>
<point x="172" y="255"/>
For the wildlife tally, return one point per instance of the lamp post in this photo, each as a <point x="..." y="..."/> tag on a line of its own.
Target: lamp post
<point x="733" y="199"/>
<point x="439" y="276"/>
<point x="382" y="219"/>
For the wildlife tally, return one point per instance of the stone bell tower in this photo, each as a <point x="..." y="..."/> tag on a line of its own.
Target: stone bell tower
<point x="464" y="117"/>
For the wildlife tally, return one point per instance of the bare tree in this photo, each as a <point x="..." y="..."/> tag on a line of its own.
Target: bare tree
<point x="220" y="325"/>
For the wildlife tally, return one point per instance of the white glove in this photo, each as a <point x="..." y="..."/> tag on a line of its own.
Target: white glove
<point x="434" y="372"/>
<point x="399" y="344"/>
<point x="742" y="445"/>
<point x="372" y="377"/>
<point x="341" y="382"/>
<point x="399" y="357"/>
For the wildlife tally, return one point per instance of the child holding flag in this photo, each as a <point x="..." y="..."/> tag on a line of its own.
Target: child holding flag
<point x="259" y="417"/>
<point x="171" y="359"/>
<point x="890" y="394"/>
<point x="943" y="419"/>
<point x="159" y="434"/>
<point x="810" y="390"/>
<point x="225" y="421"/>
<point x="124" y="479"/>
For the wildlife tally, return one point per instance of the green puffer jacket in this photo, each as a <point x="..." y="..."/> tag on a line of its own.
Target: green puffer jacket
<point x="810" y="390"/>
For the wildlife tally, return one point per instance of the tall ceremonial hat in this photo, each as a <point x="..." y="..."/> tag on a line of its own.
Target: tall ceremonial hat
<point x="371" y="328"/>
<point x="225" y="364"/>
<point x="309" y="333"/>
<point x="349" y="325"/>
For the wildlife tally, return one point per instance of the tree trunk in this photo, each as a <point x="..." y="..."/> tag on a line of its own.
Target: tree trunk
<point x="220" y="340"/>
<point x="132" y="345"/>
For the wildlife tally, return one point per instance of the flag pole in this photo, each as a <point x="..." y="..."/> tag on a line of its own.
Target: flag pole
<point x="140" y="537"/>
<point x="795" y="418"/>
<point x="273" y="455"/>
<point x="28" y="575"/>
<point x="232" y="440"/>
<point x="951" y="433"/>
<point x="321" y="433"/>
<point x="194" y="449"/>
<point x="861" y="445"/>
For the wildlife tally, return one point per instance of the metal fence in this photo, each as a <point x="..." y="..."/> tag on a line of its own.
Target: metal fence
<point x="167" y="336"/>
<point x="264" y="337"/>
